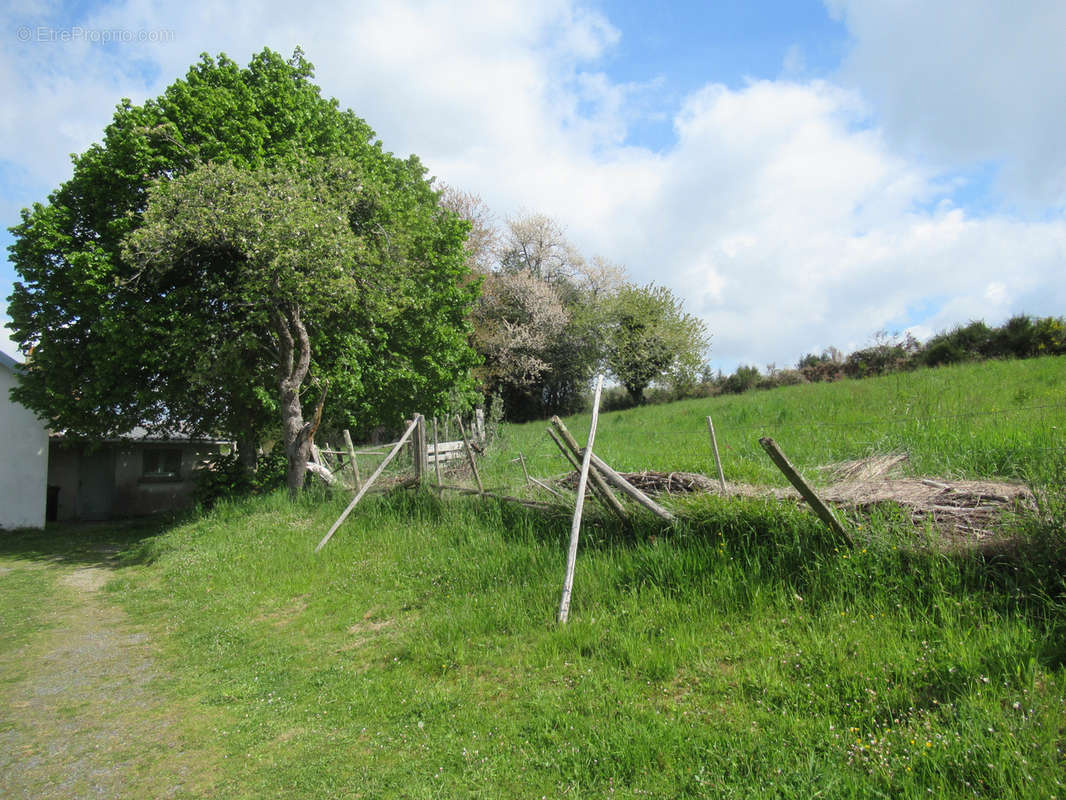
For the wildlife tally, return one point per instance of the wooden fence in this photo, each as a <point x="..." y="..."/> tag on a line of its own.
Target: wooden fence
<point x="338" y="466"/>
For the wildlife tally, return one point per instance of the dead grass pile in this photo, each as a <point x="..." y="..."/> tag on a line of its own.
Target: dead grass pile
<point x="964" y="508"/>
<point x="958" y="508"/>
<point x="863" y="469"/>
<point x="655" y="483"/>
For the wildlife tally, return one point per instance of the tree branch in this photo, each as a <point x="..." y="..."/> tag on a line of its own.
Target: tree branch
<point x="285" y="344"/>
<point x="318" y="411"/>
<point x="303" y="347"/>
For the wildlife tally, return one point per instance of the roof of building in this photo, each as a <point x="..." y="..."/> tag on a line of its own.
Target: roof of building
<point x="9" y="362"/>
<point x="142" y="435"/>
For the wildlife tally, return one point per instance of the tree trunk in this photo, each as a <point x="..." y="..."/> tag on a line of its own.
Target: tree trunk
<point x="295" y="351"/>
<point x="636" y="393"/>
<point x="248" y="451"/>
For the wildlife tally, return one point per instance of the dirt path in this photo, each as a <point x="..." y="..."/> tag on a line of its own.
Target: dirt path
<point x="82" y="711"/>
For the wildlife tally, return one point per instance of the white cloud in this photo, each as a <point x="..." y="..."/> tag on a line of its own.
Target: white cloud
<point x="966" y="81"/>
<point x="786" y="213"/>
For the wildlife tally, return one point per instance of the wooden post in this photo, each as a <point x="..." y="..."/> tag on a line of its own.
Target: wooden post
<point x="470" y="454"/>
<point x="575" y="525"/>
<point x="370" y="482"/>
<point x="612" y="476"/>
<point x="717" y="460"/>
<point x="479" y="426"/>
<point x="410" y="450"/>
<point x="601" y="489"/>
<point x="421" y="462"/>
<point x="820" y="508"/>
<point x="522" y="461"/>
<point x="436" y="451"/>
<point x="351" y="457"/>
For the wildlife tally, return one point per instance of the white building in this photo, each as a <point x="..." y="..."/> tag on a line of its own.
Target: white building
<point x="23" y="457"/>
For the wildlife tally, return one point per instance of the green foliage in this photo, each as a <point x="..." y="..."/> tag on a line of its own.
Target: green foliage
<point x="113" y="348"/>
<point x="1019" y="337"/>
<point x="963" y="343"/>
<point x="744" y="378"/>
<point x="226" y="478"/>
<point x="886" y="355"/>
<point x="649" y="337"/>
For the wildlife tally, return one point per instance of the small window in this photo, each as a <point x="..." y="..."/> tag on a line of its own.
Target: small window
<point x="162" y="464"/>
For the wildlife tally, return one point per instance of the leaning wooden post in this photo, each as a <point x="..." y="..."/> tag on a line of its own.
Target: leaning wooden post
<point x="717" y="460"/>
<point x="470" y="454"/>
<point x="575" y="525"/>
<point x="599" y="488"/>
<point x="351" y="457"/>
<point x="612" y="476"/>
<point x="436" y="452"/>
<point x="421" y="457"/>
<point x="370" y="482"/>
<point x="815" y="502"/>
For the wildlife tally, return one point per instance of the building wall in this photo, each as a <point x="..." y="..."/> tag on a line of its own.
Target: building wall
<point x="109" y="480"/>
<point x="63" y="479"/>
<point x="135" y="495"/>
<point x="24" y="465"/>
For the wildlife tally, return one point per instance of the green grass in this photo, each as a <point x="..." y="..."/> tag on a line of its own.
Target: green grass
<point x="24" y="596"/>
<point x="737" y="654"/>
<point x="994" y="419"/>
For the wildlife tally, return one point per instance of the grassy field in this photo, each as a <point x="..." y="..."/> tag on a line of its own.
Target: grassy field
<point x="1001" y="419"/>
<point x="737" y="654"/>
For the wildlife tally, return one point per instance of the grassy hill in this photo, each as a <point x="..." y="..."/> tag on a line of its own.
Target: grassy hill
<point x="737" y="654"/>
<point x="996" y="419"/>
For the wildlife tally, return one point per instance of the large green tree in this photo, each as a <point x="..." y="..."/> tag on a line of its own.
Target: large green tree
<point x="120" y="338"/>
<point x="649" y="337"/>
<point x="277" y="247"/>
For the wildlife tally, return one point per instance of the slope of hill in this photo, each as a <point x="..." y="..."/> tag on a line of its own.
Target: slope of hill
<point x="740" y="653"/>
<point x="996" y="419"/>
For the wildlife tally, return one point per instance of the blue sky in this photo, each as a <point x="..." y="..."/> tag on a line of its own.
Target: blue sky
<point x="803" y="174"/>
<point x="681" y="46"/>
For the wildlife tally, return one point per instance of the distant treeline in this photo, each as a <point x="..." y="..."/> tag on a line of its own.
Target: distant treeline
<point x="1021" y="336"/>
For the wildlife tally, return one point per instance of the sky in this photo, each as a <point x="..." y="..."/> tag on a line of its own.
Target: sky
<point x="802" y="174"/>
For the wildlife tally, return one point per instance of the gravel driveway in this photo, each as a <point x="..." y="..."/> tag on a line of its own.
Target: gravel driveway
<point x="83" y="707"/>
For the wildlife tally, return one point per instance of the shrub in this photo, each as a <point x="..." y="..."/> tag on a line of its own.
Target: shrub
<point x="962" y="343"/>
<point x="224" y="476"/>
<point x="742" y="380"/>
<point x="782" y="377"/>
<point x="829" y="366"/>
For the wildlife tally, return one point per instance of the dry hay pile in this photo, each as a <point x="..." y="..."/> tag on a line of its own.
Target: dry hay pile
<point x="654" y="483"/>
<point x="965" y="508"/>
<point x="961" y="508"/>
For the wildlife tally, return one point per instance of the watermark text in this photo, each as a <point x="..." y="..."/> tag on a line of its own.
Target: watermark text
<point x="76" y="33"/>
